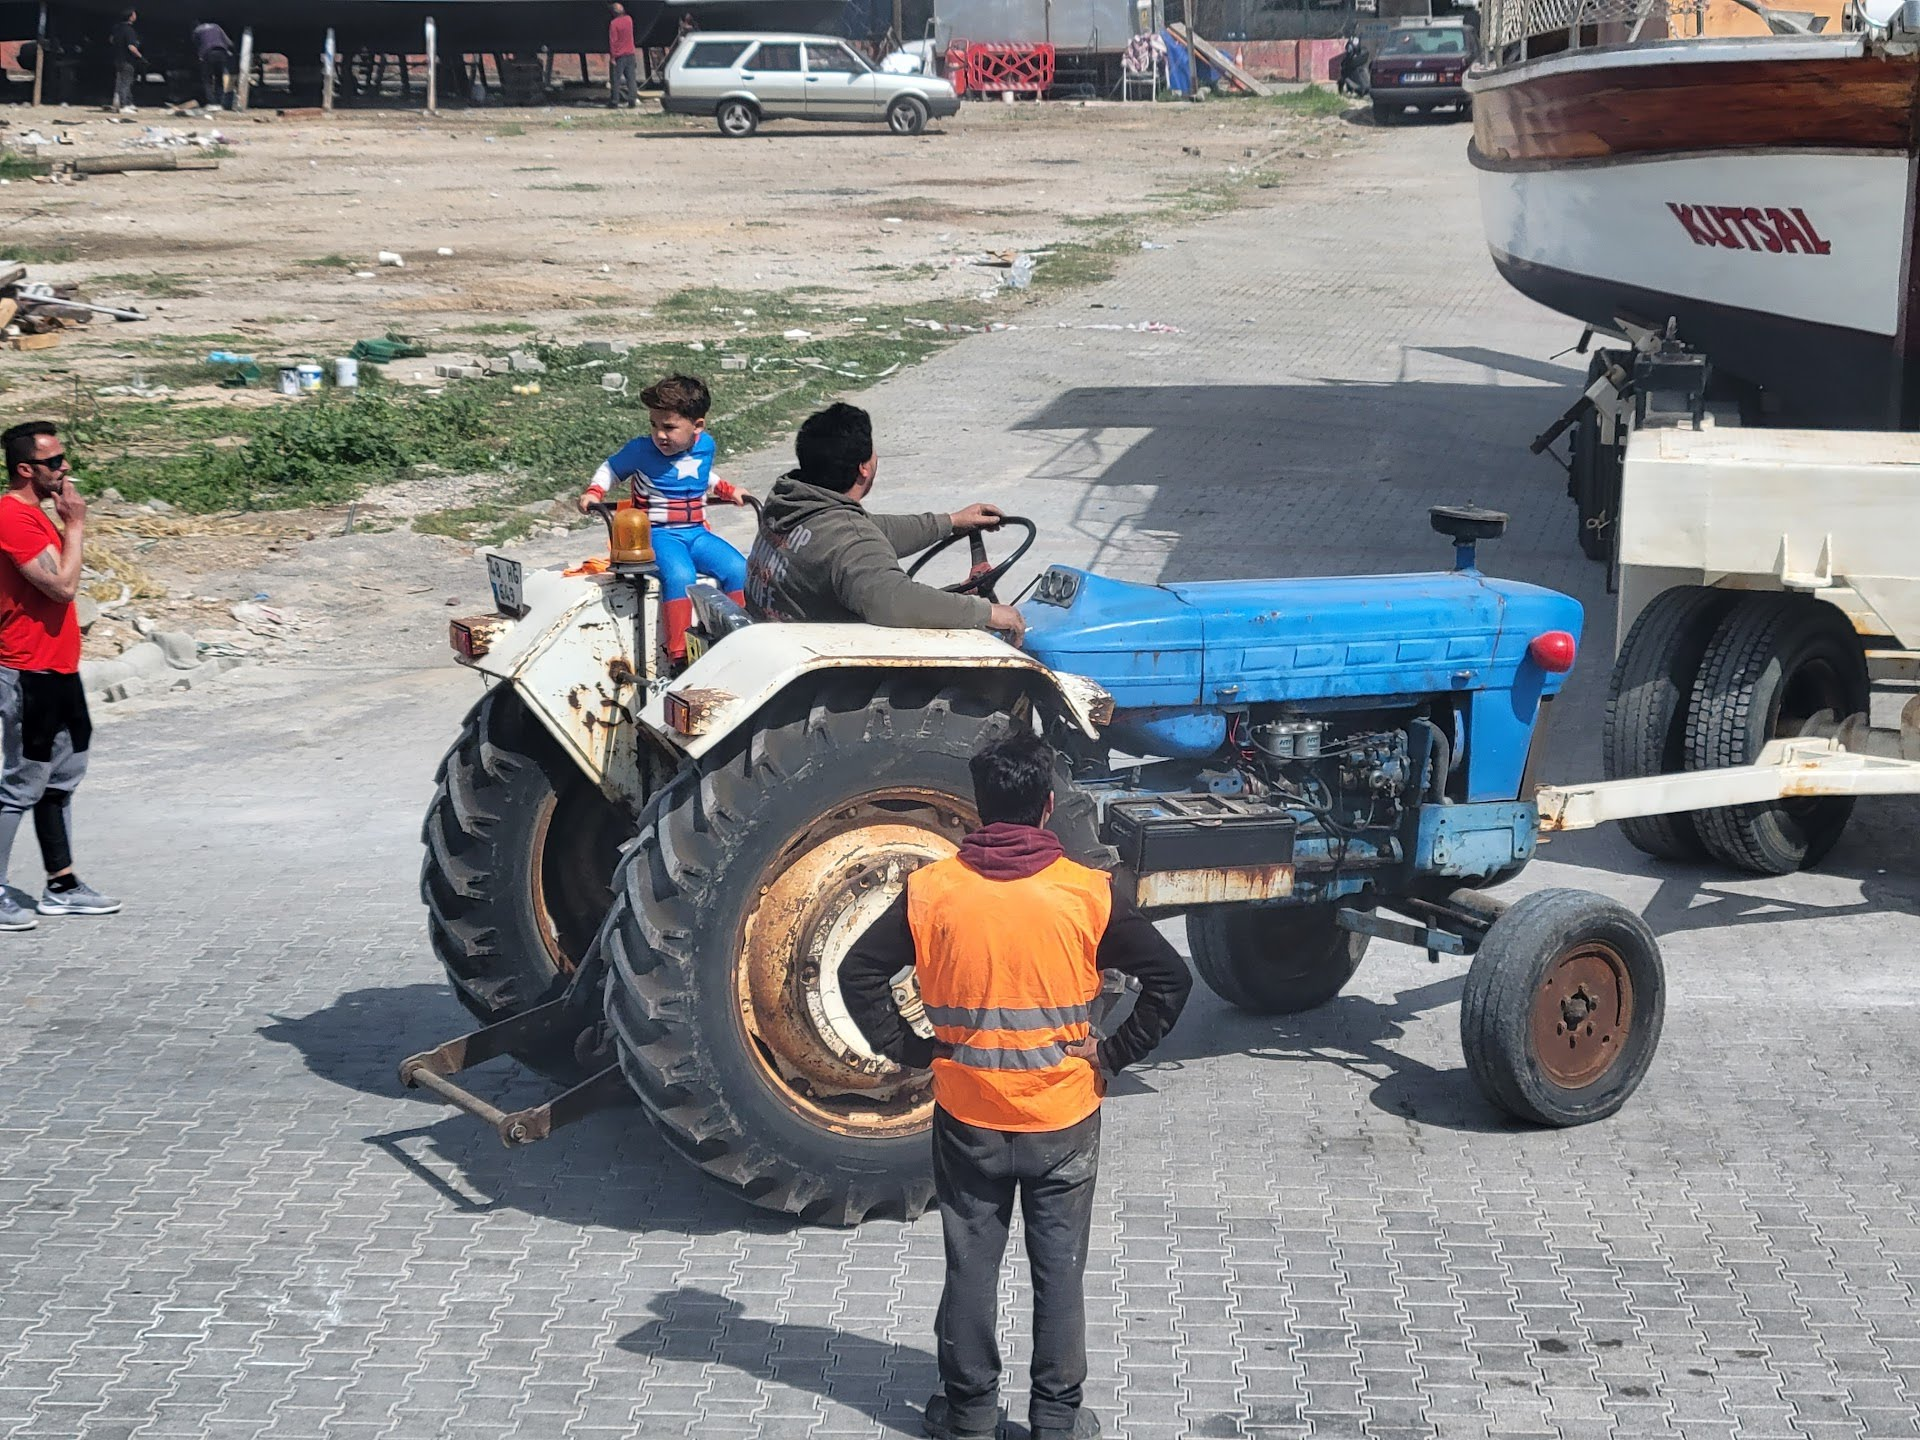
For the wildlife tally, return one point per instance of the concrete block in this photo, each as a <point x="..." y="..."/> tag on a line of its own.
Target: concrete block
<point x="145" y="660"/>
<point x="611" y="347"/>
<point x="614" y="381"/>
<point x="522" y="363"/>
<point x="180" y="648"/>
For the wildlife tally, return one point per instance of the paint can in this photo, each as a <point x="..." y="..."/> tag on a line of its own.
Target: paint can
<point x="310" y="375"/>
<point x="289" y="380"/>
<point x="346" y="372"/>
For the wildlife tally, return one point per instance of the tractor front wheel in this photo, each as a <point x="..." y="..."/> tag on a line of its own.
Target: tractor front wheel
<point x="1273" y="959"/>
<point x="520" y="850"/>
<point x="753" y="873"/>
<point x="1562" y="1007"/>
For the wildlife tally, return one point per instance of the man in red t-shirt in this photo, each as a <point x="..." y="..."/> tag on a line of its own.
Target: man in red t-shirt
<point x="42" y="707"/>
<point x="623" y="71"/>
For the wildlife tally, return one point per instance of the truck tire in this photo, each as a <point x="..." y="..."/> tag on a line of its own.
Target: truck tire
<point x="1273" y="959"/>
<point x="1562" y="1008"/>
<point x="1645" y="730"/>
<point x="1774" y="662"/>
<point x="520" y="853"/>
<point x="752" y="873"/>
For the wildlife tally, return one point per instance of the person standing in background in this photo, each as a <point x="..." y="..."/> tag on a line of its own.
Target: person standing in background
<point x="48" y="732"/>
<point x="125" y="44"/>
<point x="623" y="73"/>
<point x="214" y="48"/>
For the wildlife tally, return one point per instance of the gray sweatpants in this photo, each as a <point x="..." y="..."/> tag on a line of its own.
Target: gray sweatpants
<point x="25" y="783"/>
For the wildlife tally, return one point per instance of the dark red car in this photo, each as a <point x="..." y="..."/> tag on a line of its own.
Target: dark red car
<point x="1421" y="67"/>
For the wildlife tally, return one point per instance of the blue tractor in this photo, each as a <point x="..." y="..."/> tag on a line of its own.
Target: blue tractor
<point x="1281" y="762"/>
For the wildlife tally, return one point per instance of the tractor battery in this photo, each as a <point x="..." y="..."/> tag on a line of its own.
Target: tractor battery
<point x="1197" y="831"/>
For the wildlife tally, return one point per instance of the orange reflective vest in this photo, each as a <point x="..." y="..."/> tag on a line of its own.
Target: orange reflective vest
<point x="1008" y="973"/>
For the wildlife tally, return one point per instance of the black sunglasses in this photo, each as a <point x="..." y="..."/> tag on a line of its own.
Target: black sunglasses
<point x="52" y="462"/>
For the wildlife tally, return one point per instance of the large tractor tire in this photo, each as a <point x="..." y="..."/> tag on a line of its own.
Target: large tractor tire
<point x="521" y="849"/>
<point x="1645" y="731"/>
<point x="752" y="874"/>
<point x="1774" y="663"/>
<point x="1273" y="959"/>
<point x="1562" y="1008"/>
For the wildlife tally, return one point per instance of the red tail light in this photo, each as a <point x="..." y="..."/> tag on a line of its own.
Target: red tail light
<point x="1553" y="652"/>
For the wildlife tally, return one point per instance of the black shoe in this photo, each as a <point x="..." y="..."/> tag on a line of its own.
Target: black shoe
<point x="1086" y="1426"/>
<point x="939" y="1423"/>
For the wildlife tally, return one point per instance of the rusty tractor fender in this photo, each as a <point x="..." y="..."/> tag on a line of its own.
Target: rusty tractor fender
<point x="735" y="681"/>
<point x="571" y="658"/>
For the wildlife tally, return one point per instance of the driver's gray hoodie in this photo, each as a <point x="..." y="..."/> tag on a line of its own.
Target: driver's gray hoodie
<point x="822" y="557"/>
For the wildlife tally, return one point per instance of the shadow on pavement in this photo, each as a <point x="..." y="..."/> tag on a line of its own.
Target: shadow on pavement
<point x="611" y="1169"/>
<point x="884" y="1381"/>
<point x="1351" y="1033"/>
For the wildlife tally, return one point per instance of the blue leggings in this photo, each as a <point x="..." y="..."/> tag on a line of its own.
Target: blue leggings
<point x="686" y="552"/>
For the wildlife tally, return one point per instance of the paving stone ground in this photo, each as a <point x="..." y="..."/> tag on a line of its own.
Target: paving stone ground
<point x="220" y="1217"/>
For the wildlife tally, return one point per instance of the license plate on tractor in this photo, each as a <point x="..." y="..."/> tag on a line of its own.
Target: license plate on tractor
<point x="505" y="577"/>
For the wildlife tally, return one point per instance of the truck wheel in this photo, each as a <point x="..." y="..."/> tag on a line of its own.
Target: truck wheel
<point x="1273" y="959"/>
<point x="1645" y="730"/>
<point x="521" y="849"/>
<point x="1774" y="663"/>
<point x="907" y="116"/>
<point x="737" y="119"/>
<point x="1562" y="1007"/>
<point x="753" y="873"/>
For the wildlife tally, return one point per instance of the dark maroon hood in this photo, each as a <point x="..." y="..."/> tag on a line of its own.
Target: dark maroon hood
<point x="1009" y="852"/>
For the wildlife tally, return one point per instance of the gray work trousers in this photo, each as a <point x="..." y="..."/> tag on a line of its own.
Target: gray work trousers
<point x="976" y="1173"/>
<point x="624" y="76"/>
<point x="25" y="783"/>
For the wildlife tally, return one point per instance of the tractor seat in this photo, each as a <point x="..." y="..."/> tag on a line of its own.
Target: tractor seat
<point x="717" y="613"/>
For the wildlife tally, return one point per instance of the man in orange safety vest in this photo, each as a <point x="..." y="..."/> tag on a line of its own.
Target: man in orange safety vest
<point x="1008" y="939"/>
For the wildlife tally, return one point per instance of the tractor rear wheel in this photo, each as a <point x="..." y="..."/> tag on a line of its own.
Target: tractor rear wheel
<point x="753" y="873"/>
<point x="520" y="852"/>
<point x="1562" y="1007"/>
<point x="1273" y="959"/>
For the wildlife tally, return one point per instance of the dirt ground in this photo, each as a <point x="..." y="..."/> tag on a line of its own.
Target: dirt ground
<point x="561" y="225"/>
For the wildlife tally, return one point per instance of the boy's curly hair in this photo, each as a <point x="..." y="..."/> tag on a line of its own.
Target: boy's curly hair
<point x="684" y="395"/>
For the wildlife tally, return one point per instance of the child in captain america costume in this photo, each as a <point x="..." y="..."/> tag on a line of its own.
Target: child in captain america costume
<point x="670" y="470"/>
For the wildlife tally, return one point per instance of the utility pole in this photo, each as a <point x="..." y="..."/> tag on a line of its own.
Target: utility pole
<point x="433" y="68"/>
<point x="1193" y="57"/>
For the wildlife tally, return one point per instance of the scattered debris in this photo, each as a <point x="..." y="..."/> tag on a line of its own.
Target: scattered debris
<point x="388" y="257"/>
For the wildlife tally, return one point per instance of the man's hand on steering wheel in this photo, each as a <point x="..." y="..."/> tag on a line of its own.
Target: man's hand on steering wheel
<point x="1008" y="623"/>
<point x="976" y="517"/>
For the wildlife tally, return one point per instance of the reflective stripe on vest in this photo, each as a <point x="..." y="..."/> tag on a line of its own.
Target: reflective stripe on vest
<point x="1008" y="974"/>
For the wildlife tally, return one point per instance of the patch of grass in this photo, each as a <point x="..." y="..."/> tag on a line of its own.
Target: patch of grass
<point x="495" y="327"/>
<point x="510" y="131"/>
<point x="18" y="167"/>
<point x="329" y="262"/>
<point x="572" y="187"/>
<point x="29" y="254"/>
<point x="484" y="524"/>
<point x="1315" y="100"/>
<point x="533" y="169"/>
<point x="154" y="287"/>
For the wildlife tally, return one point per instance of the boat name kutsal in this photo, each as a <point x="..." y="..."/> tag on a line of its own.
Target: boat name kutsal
<point x="1747" y="227"/>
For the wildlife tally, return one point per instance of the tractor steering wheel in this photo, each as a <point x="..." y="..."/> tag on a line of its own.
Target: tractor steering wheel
<point x="984" y="575"/>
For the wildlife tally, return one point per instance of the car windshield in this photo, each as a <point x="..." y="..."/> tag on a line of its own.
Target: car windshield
<point x="1427" y="42"/>
<point x="837" y="59"/>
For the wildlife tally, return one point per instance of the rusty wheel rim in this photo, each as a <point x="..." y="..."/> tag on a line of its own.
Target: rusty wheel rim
<point x="547" y="927"/>
<point x="812" y="902"/>
<point x="1582" y="1015"/>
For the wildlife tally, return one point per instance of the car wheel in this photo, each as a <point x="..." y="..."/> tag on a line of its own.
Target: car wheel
<point x="737" y="119"/>
<point x="907" y="116"/>
<point x="1383" y="113"/>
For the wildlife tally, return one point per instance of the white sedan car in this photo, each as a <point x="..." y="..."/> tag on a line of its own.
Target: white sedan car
<point x="741" y="79"/>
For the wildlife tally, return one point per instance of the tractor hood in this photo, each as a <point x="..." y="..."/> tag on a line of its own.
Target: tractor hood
<point x="1240" y="642"/>
<point x="1185" y="653"/>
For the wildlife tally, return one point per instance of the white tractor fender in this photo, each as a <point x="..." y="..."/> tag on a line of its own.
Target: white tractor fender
<point x="571" y="658"/>
<point x="733" y="682"/>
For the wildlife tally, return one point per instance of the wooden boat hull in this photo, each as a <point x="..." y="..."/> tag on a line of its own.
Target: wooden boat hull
<point x="1760" y="198"/>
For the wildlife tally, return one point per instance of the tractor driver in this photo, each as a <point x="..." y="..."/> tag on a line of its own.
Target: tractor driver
<point x="821" y="556"/>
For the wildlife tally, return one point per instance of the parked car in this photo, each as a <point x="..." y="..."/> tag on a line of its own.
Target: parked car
<point x="1420" y="67"/>
<point x="741" y="79"/>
